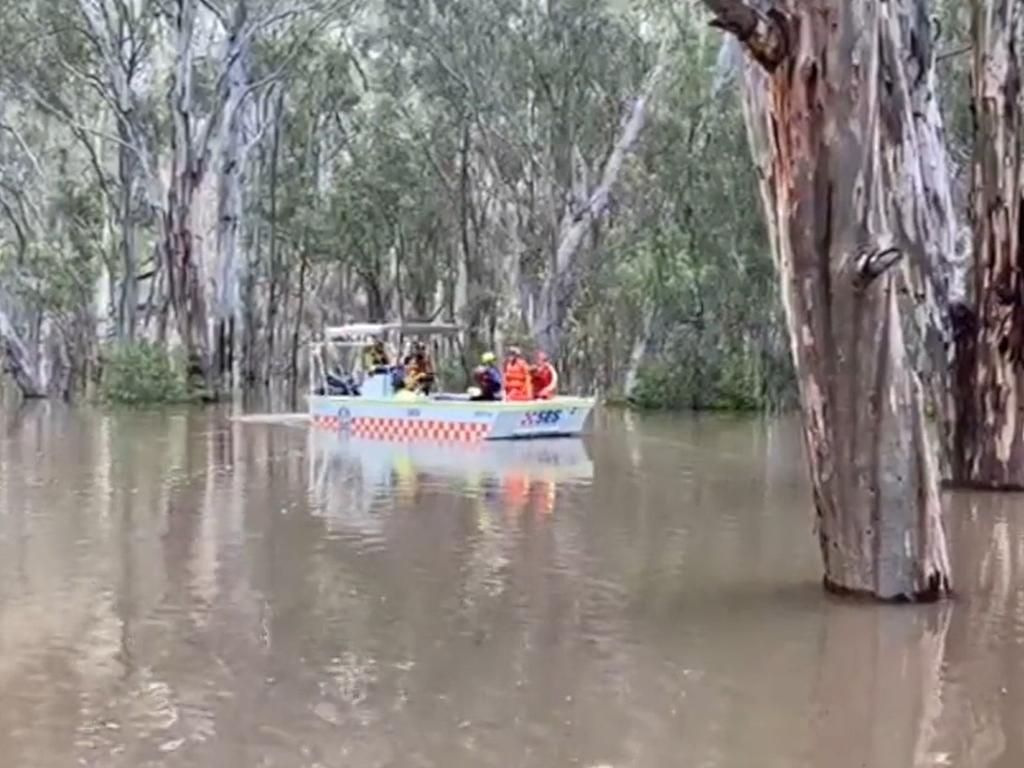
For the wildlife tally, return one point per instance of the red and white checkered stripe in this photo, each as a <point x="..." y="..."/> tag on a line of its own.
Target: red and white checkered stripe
<point x="409" y="429"/>
<point x="327" y="422"/>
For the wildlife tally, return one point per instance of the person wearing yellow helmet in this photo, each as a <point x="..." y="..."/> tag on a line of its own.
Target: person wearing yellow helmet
<point x="487" y="379"/>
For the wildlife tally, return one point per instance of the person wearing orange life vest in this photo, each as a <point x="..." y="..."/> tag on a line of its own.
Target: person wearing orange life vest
<point x="516" y="376"/>
<point x="545" y="378"/>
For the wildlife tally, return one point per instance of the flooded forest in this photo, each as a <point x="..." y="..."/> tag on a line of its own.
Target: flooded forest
<point x="774" y="252"/>
<point x="220" y="179"/>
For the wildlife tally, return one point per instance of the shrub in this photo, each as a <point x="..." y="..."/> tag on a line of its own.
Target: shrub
<point x="140" y="373"/>
<point x="718" y="382"/>
<point x="661" y="385"/>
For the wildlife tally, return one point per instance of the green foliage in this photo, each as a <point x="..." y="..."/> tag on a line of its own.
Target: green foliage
<point x="419" y="159"/>
<point x="729" y="382"/>
<point x="142" y="373"/>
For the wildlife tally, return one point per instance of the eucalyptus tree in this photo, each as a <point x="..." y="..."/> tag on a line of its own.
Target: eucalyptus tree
<point x="846" y="131"/>
<point x="988" y="398"/>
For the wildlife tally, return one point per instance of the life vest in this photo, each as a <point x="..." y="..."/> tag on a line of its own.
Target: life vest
<point x="518" y="385"/>
<point x="545" y="381"/>
<point x="419" y="373"/>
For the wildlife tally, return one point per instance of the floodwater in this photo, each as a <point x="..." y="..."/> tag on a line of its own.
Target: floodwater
<point x="177" y="589"/>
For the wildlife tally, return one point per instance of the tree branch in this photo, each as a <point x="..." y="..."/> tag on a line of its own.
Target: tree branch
<point x="764" y="35"/>
<point x="5" y="126"/>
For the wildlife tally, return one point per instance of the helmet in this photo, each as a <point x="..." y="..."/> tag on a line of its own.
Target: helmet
<point x="487" y="357"/>
<point x="515" y="351"/>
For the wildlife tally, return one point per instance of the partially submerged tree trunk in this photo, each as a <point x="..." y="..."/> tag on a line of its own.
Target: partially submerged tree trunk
<point x="233" y="152"/>
<point x="830" y="111"/>
<point x="190" y="151"/>
<point x="17" y="361"/>
<point x="989" y="387"/>
<point x="274" y="267"/>
<point x="128" y="299"/>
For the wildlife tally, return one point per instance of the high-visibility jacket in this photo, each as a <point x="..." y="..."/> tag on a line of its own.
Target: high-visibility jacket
<point x="517" y="381"/>
<point x="545" y="381"/>
<point x="419" y="374"/>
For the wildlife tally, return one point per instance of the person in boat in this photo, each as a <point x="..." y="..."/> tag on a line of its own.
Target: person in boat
<point x="419" y="371"/>
<point x="544" y="376"/>
<point x="340" y="383"/>
<point x="487" y="379"/>
<point x="376" y="358"/>
<point x="516" y="377"/>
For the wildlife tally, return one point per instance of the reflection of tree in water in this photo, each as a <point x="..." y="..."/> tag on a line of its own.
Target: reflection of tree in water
<point x="221" y="601"/>
<point x="488" y="557"/>
<point x="877" y="685"/>
<point x="342" y="488"/>
<point x="83" y="577"/>
<point x="982" y="699"/>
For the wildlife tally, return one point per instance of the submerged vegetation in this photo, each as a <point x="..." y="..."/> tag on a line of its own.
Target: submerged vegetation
<point x="142" y="373"/>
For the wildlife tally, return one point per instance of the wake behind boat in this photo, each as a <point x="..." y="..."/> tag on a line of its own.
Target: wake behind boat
<point x="349" y="399"/>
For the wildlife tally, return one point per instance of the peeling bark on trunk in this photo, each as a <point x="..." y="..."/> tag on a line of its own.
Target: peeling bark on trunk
<point x="924" y="221"/>
<point x="832" y="127"/>
<point x="190" y="139"/>
<point x="233" y="151"/>
<point x="989" y="393"/>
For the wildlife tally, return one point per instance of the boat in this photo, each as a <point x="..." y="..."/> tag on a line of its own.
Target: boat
<point x="362" y="404"/>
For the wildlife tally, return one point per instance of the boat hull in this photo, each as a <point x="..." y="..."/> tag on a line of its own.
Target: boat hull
<point x="450" y="420"/>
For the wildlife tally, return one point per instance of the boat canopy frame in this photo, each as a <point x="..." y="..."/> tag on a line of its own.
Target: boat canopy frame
<point x="363" y="331"/>
<point x="360" y="334"/>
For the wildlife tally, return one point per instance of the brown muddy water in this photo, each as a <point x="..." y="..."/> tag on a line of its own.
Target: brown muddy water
<point x="177" y="589"/>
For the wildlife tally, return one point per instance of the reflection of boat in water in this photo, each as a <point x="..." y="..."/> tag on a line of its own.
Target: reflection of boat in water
<point x="350" y="475"/>
<point x="372" y="408"/>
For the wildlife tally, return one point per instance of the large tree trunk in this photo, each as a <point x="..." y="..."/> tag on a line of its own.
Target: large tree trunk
<point x="233" y="150"/>
<point x="190" y="138"/>
<point x="830" y="110"/>
<point x="989" y="394"/>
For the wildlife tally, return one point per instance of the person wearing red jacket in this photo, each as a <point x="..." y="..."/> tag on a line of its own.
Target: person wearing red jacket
<point x="517" y="380"/>
<point x="545" y="378"/>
